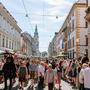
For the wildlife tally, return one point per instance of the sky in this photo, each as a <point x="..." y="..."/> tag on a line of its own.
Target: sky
<point x="40" y="12"/>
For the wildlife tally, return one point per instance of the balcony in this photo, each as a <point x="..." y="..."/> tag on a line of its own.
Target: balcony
<point x="88" y="14"/>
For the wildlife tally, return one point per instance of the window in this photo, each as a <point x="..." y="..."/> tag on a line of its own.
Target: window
<point x="12" y="44"/>
<point x="69" y="44"/>
<point x="86" y="52"/>
<point x="69" y="29"/>
<point x="70" y="55"/>
<point x="63" y="44"/>
<point x="72" y="25"/>
<point x="86" y="24"/>
<point x="73" y="53"/>
<point x="69" y="19"/>
<point x="72" y="14"/>
<point x="3" y="41"/>
<point x="15" y="44"/>
<point x="7" y="42"/>
<point x="86" y="41"/>
<point x="0" y="40"/>
<point x="73" y="41"/>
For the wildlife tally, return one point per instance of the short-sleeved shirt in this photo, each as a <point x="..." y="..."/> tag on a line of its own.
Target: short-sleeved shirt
<point x="81" y="76"/>
<point x="41" y="69"/>
<point x="50" y="76"/>
<point x="87" y="77"/>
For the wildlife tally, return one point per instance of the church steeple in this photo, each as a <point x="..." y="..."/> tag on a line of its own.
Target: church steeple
<point x="36" y="41"/>
<point x="36" y="31"/>
<point x="36" y="28"/>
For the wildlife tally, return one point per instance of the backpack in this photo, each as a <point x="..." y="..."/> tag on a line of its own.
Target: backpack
<point x="22" y="71"/>
<point x="74" y="68"/>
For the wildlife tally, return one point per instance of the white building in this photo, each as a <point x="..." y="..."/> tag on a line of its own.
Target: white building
<point x="9" y="31"/>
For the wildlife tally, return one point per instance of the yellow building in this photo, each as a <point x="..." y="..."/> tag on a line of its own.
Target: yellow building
<point x="74" y="31"/>
<point x="88" y="20"/>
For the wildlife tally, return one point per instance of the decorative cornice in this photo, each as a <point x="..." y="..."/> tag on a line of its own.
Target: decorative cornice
<point x="9" y="18"/>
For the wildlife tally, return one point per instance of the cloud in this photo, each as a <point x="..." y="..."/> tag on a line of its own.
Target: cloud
<point x="58" y="2"/>
<point x="60" y="9"/>
<point x="57" y="18"/>
<point x="56" y="10"/>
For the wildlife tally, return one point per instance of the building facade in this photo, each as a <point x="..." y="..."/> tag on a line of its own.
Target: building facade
<point x="77" y="30"/>
<point x="9" y="31"/>
<point x="72" y="37"/>
<point x="26" y="44"/>
<point x="88" y="20"/>
<point x="52" y="49"/>
<point x="29" y="44"/>
<point x="11" y="38"/>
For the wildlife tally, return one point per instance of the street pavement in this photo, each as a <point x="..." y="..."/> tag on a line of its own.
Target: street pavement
<point x="16" y="85"/>
<point x="64" y="86"/>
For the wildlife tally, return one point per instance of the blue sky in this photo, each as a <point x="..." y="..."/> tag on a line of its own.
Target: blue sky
<point x="40" y="12"/>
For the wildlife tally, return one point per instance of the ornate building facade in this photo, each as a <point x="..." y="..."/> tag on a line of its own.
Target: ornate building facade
<point x="9" y="31"/>
<point x="11" y="36"/>
<point x="72" y="36"/>
<point x="87" y="17"/>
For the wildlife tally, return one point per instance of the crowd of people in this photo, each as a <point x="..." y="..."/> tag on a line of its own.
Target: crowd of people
<point x="45" y="72"/>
